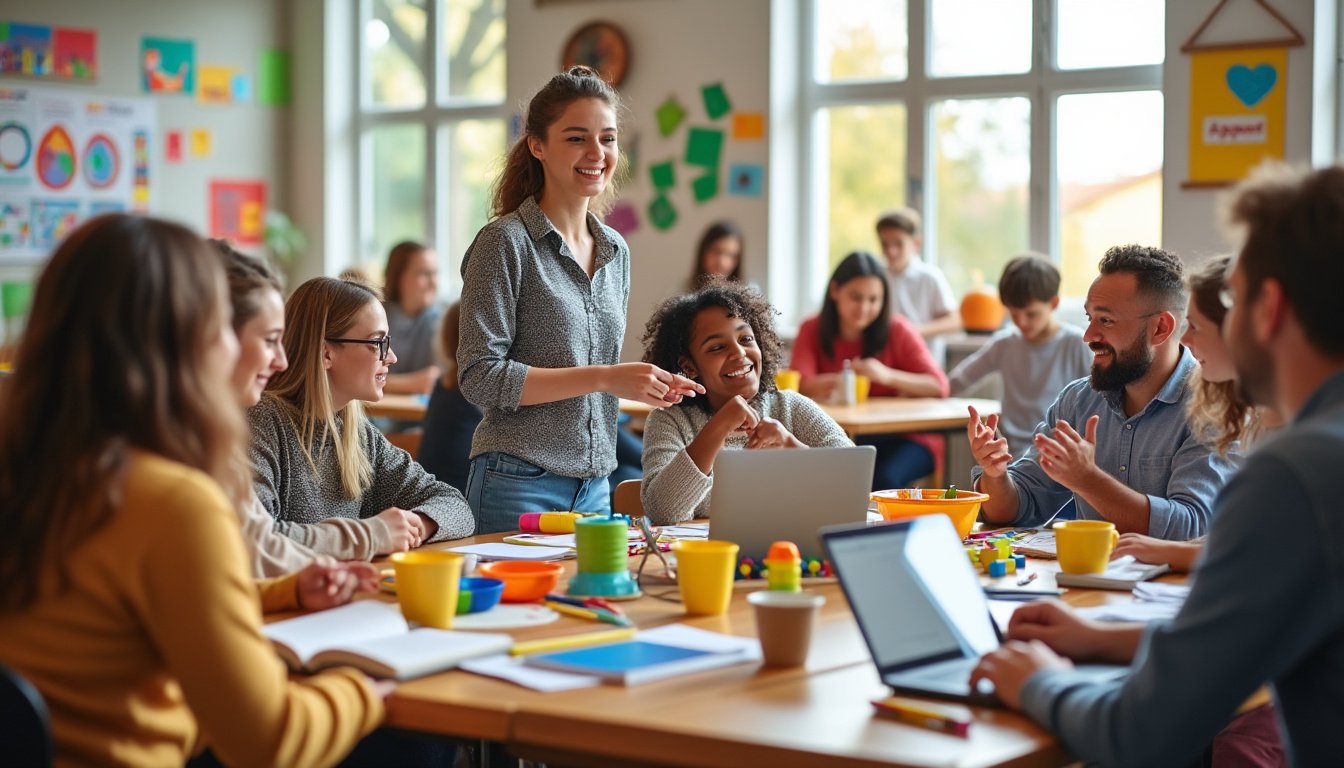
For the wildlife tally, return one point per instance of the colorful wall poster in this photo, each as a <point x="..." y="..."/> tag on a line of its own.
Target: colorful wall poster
<point x="746" y="180"/>
<point x="273" y="78"/>
<point x="1238" y="102"/>
<point x="167" y="66"/>
<point x="623" y="218"/>
<point x="214" y="85"/>
<point x="25" y="49"/>
<point x="202" y="139"/>
<point x="716" y="100"/>
<point x="76" y="53"/>
<point x="64" y="157"/>
<point x="237" y="210"/>
<point x="749" y="125"/>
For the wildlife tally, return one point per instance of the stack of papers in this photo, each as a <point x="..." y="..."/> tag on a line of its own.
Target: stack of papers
<point x="1121" y="573"/>
<point x="1153" y="592"/>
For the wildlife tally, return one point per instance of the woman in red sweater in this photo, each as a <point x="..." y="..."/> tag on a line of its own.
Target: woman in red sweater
<point x="856" y="324"/>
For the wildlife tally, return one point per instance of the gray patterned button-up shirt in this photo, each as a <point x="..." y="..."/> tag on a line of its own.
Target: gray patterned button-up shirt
<point x="526" y="302"/>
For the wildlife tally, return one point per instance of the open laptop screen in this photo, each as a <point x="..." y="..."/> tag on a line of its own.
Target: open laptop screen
<point x="913" y="592"/>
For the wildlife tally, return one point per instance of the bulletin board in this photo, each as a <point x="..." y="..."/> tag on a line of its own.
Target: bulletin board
<point x="65" y="157"/>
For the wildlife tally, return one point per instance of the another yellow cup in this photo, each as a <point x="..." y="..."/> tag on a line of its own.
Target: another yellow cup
<point x="788" y="379"/>
<point x="705" y="575"/>
<point x="1084" y="546"/>
<point x="861" y="387"/>
<point x="427" y="585"/>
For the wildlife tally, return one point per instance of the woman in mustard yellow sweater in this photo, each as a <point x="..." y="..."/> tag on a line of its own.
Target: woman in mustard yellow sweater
<point x="125" y="596"/>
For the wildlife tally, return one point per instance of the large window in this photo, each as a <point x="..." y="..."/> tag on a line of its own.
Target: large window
<point x="432" y="124"/>
<point x="1009" y="124"/>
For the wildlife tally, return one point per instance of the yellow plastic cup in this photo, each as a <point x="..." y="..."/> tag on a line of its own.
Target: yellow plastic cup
<point x="427" y="586"/>
<point x="788" y="379"/>
<point x="705" y="575"/>
<point x="1084" y="546"/>
<point x="861" y="387"/>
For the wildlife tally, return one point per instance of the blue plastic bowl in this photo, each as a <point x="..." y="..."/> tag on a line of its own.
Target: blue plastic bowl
<point x="476" y="594"/>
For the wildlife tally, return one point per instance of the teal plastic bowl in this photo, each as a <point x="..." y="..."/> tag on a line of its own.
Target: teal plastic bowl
<point x="476" y="594"/>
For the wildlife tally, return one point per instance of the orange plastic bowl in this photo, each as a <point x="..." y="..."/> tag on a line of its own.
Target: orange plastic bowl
<point x="962" y="510"/>
<point x="524" y="581"/>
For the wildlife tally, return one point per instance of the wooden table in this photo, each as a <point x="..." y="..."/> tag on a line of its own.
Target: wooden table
<point x="399" y="407"/>
<point x="895" y="415"/>
<point x="740" y="715"/>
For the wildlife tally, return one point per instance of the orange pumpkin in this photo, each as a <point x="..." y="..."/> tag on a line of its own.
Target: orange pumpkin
<point x="981" y="311"/>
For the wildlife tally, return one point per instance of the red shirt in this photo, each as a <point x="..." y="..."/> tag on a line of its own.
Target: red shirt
<point x="905" y="351"/>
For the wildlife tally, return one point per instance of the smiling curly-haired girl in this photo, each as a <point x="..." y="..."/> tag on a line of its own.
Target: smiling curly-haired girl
<point x="722" y="336"/>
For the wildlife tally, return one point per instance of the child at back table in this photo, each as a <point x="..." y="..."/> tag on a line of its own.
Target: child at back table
<point x="1037" y="356"/>
<point x="857" y="324"/>
<point x="723" y="337"/>
<point x="919" y="291"/>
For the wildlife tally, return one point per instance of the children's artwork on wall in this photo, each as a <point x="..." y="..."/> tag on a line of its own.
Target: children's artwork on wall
<point x="273" y="78"/>
<point x="706" y="187"/>
<point x="240" y="87"/>
<point x="215" y="84"/>
<point x="1238" y="99"/>
<point x="746" y="180"/>
<point x="749" y="126"/>
<point x="237" y="210"/>
<point x="716" y="100"/>
<point x="25" y="49"/>
<point x="202" y="140"/>
<point x="63" y="158"/>
<point x="669" y="115"/>
<point x="167" y="66"/>
<point x="662" y="213"/>
<point x="172" y="146"/>
<point x="76" y="53"/>
<point x="623" y="218"/>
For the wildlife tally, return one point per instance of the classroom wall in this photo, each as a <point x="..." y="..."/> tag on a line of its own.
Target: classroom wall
<point x="249" y="140"/>
<point x="1190" y="216"/>
<point x="732" y="47"/>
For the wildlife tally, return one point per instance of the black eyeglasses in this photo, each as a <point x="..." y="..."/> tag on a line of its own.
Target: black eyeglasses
<point x="383" y="344"/>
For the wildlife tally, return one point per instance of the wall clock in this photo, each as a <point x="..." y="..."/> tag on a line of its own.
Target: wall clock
<point x="602" y="46"/>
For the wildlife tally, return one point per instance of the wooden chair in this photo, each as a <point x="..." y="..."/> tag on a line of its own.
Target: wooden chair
<point x="626" y="500"/>
<point x="25" y="738"/>
<point x="408" y="441"/>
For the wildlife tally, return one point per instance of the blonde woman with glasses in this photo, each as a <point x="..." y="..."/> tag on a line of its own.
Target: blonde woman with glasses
<point x="315" y="453"/>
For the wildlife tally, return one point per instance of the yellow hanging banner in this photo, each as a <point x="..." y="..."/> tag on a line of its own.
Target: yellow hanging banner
<point x="1237" y="109"/>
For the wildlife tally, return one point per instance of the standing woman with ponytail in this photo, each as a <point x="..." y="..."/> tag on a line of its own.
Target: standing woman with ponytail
<point x="545" y="290"/>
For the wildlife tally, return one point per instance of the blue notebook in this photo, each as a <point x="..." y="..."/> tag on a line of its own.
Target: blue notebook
<point x="634" y="661"/>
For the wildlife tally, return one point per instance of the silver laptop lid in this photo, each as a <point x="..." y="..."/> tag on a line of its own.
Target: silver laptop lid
<point x="913" y="592"/>
<point x="781" y="494"/>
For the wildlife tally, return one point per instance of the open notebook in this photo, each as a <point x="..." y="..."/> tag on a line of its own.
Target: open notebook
<point x="372" y="636"/>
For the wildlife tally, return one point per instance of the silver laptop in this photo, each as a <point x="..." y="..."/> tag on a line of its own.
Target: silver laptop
<point x="920" y="606"/>
<point x="769" y="495"/>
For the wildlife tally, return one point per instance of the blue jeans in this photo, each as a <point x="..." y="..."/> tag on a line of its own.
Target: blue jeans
<point x="500" y="488"/>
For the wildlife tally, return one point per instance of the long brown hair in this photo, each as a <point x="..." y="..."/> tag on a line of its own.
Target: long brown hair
<point x="1216" y="413"/>
<point x="323" y="308"/>
<point x="126" y="315"/>
<point x="398" y="259"/>
<point x="523" y="176"/>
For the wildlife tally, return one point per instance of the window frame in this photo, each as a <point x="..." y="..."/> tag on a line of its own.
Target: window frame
<point x="436" y="118"/>
<point x="1042" y="85"/>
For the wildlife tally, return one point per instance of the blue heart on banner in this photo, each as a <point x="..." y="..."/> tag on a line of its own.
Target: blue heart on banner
<point x="1251" y="85"/>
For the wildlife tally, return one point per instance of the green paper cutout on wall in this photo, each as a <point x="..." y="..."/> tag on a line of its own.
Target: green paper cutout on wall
<point x="273" y="78"/>
<point x="716" y="101"/>
<point x="663" y="175"/>
<point x="669" y="115"/>
<point x="703" y="146"/>
<point x="662" y="213"/>
<point x="706" y="187"/>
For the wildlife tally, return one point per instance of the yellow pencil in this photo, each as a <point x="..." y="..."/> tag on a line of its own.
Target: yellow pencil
<point x="571" y="641"/>
<point x="590" y="614"/>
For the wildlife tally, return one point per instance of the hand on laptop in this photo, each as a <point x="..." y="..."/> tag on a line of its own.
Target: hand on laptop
<point x="1012" y="665"/>
<point x="1065" y="632"/>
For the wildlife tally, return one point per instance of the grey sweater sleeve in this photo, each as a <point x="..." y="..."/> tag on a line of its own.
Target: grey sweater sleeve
<point x="491" y="276"/>
<point x="398" y="481"/>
